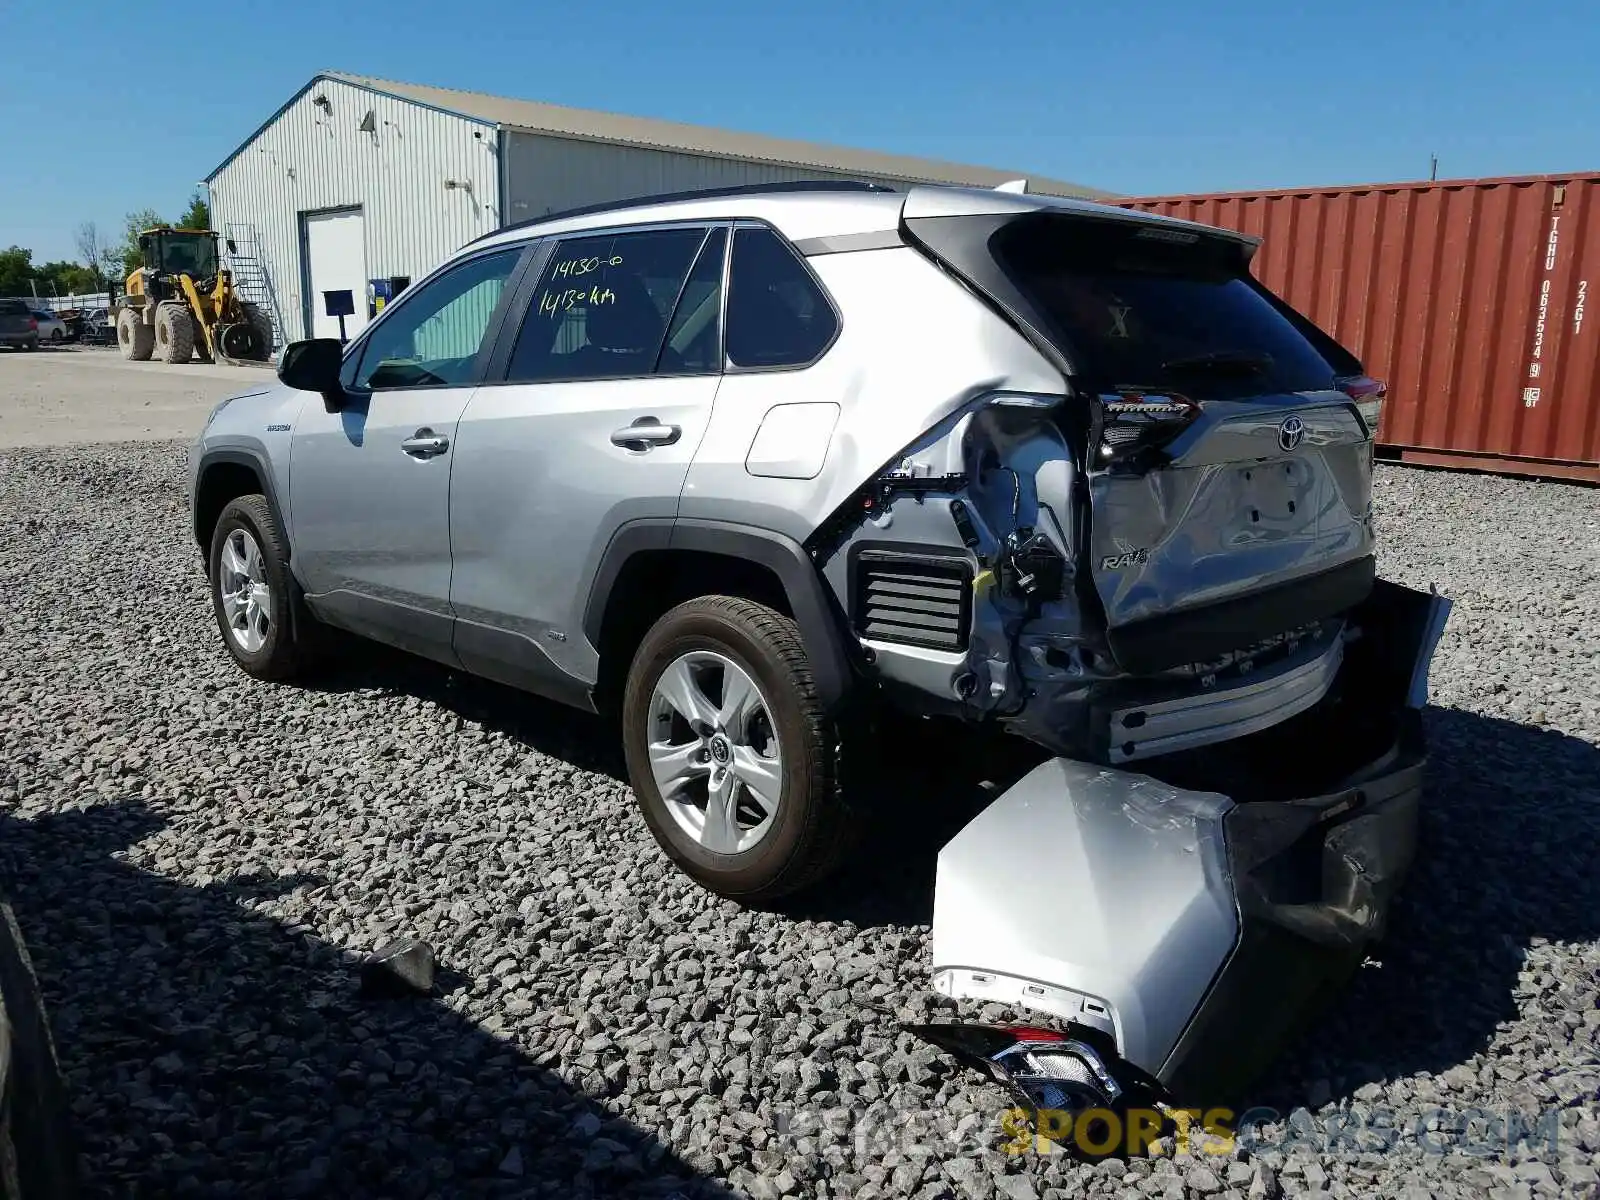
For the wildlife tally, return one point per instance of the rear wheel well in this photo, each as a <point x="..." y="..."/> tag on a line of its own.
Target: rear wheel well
<point x="219" y="484"/>
<point x="651" y="583"/>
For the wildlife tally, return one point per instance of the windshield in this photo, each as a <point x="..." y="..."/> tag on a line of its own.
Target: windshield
<point x="188" y="254"/>
<point x="1146" y="307"/>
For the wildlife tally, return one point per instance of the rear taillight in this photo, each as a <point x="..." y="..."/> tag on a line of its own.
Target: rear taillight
<point x="1132" y="422"/>
<point x="33" y="324"/>
<point x="1049" y="1071"/>
<point x="1368" y="395"/>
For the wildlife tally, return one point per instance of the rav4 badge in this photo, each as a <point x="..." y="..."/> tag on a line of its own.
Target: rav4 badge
<point x="1133" y="558"/>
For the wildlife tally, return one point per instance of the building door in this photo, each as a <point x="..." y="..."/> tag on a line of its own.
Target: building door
<point x="336" y="261"/>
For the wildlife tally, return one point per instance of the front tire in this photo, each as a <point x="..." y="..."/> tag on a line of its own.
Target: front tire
<point x="136" y="339"/>
<point x="259" y="609"/>
<point x="174" y="333"/>
<point x="733" y="759"/>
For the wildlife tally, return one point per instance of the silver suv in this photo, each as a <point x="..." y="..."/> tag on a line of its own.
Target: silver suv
<point x="738" y="463"/>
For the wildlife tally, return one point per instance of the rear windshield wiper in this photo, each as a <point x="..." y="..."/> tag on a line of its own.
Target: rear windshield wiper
<point x="1221" y="360"/>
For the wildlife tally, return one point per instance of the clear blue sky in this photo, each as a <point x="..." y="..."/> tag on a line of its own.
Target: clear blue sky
<point x="107" y="107"/>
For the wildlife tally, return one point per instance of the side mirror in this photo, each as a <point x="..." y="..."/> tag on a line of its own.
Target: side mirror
<point x="313" y="366"/>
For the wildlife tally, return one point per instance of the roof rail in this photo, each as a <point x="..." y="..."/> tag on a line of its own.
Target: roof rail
<point x="741" y="189"/>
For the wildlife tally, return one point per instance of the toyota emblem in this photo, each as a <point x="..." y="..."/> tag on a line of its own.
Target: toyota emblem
<point x="1291" y="433"/>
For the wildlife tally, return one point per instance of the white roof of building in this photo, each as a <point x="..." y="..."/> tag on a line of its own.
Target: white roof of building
<point x="532" y="116"/>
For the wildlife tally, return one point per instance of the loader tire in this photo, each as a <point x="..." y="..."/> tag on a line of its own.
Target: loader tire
<point x="134" y="337"/>
<point x="174" y="333"/>
<point x="262" y="324"/>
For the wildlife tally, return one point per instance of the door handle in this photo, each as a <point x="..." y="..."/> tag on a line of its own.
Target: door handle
<point x="645" y="433"/>
<point x="425" y="443"/>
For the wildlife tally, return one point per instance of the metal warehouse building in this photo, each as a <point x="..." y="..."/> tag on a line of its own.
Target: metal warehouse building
<point x="356" y="182"/>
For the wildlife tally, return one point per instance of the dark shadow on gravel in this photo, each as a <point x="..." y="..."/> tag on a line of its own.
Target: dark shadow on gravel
<point x="582" y="740"/>
<point x="917" y="781"/>
<point x="214" y="1051"/>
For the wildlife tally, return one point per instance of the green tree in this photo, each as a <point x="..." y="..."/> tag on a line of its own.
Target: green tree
<point x="198" y="215"/>
<point x="16" y="270"/>
<point x="65" y="278"/>
<point x="137" y="222"/>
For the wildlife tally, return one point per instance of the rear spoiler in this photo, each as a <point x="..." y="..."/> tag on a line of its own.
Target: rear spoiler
<point x="1013" y="199"/>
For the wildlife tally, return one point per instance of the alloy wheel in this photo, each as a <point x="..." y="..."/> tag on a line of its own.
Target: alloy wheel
<point x="714" y="752"/>
<point x="246" y="595"/>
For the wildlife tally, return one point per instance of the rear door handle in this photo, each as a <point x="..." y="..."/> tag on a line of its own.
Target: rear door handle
<point x="425" y="443"/>
<point x="645" y="433"/>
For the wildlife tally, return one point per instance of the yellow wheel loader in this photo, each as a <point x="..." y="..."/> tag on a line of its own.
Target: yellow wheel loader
<point x="181" y="304"/>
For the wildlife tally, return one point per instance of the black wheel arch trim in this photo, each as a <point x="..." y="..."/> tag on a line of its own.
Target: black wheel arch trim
<point x="244" y="458"/>
<point x="257" y="462"/>
<point x="822" y="628"/>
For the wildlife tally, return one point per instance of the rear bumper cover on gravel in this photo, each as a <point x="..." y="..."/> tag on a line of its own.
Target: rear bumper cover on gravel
<point x="1191" y="917"/>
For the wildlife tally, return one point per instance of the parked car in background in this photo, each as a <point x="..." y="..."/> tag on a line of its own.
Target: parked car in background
<point x="51" y="327"/>
<point x="19" y="328"/>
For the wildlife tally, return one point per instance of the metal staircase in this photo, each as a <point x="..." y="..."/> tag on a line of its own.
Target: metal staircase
<point x="250" y="275"/>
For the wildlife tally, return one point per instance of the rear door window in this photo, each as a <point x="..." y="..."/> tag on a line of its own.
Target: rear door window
<point x="603" y="306"/>
<point x="694" y="339"/>
<point x="778" y="315"/>
<point x="1146" y="307"/>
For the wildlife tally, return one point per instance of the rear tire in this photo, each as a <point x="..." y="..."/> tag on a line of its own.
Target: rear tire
<point x="57" y="337"/>
<point x="808" y="829"/>
<point x="137" y="340"/>
<point x="174" y="333"/>
<point x="262" y="324"/>
<point x="260" y="611"/>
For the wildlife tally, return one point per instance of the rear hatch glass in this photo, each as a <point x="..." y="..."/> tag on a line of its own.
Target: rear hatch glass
<point x="1156" y="308"/>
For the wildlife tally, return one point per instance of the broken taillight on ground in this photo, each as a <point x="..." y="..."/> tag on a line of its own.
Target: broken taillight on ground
<point x="1047" y="1070"/>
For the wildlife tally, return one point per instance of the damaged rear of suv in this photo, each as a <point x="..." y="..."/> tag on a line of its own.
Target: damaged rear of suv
<point x="1166" y="565"/>
<point x="1162" y="555"/>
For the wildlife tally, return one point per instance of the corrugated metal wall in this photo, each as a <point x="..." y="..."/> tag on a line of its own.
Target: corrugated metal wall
<point x="456" y="331"/>
<point x="313" y="158"/>
<point x="548" y="174"/>
<point x="1467" y="298"/>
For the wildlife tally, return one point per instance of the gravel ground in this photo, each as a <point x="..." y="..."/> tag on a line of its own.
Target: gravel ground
<point x="197" y="860"/>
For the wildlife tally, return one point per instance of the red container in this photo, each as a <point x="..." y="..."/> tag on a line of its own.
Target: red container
<point x="1467" y="297"/>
